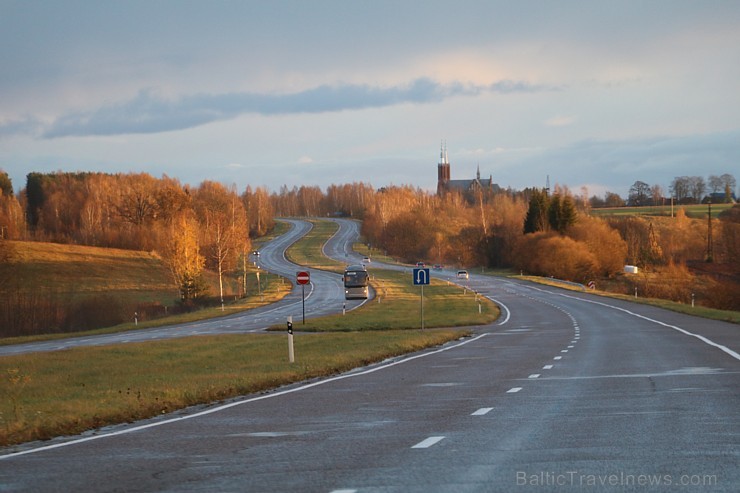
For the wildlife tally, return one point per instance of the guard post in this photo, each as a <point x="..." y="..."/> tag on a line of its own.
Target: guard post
<point x="291" y="354"/>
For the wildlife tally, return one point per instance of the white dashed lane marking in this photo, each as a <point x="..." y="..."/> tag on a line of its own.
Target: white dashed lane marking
<point x="428" y="442"/>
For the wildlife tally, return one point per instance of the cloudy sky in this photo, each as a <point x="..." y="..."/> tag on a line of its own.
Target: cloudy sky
<point x="267" y="93"/>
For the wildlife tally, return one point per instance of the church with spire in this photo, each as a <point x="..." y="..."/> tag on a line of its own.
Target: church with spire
<point x="445" y="184"/>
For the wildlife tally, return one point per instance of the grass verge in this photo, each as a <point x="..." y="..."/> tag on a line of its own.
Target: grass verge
<point x="398" y="306"/>
<point x="698" y="311"/>
<point x="43" y="395"/>
<point x="308" y="250"/>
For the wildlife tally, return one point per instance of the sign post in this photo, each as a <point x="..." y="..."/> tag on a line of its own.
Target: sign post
<point x="421" y="277"/>
<point x="302" y="278"/>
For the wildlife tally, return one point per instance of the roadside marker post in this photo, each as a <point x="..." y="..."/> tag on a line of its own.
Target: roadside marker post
<point x="421" y="277"/>
<point x="291" y="354"/>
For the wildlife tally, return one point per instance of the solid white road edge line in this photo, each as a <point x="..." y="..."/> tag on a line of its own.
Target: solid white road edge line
<point x="508" y="312"/>
<point x="679" y="329"/>
<point x="239" y="403"/>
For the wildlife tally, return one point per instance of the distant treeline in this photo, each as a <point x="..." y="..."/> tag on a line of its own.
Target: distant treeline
<point x="534" y="231"/>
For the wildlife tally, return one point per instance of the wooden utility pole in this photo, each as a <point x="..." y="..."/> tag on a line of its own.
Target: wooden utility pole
<point x="710" y="243"/>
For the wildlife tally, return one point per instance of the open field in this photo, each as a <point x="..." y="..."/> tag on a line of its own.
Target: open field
<point x="697" y="211"/>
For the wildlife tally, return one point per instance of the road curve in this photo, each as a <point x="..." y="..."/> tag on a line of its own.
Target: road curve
<point x="325" y="295"/>
<point x="565" y="392"/>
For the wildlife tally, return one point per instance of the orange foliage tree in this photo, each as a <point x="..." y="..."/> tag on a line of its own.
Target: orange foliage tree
<point x="552" y="255"/>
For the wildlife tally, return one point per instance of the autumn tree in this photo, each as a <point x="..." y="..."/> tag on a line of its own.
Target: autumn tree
<point x="409" y="236"/>
<point x="506" y="213"/>
<point x="137" y="201"/>
<point x="612" y="199"/>
<point x="223" y="227"/>
<point x="565" y="258"/>
<point x="351" y="199"/>
<point x="605" y="244"/>
<point x="728" y="244"/>
<point x="6" y="184"/>
<point x="12" y="223"/>
<point x="183" y="257"/>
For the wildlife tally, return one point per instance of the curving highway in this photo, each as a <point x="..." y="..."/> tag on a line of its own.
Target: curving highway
<point x="565" y="392"/>
<point x="324" y="295"/>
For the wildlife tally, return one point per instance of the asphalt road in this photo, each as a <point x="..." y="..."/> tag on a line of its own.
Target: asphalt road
<point x="565" y="392"/>
<point x="324" y="295"/>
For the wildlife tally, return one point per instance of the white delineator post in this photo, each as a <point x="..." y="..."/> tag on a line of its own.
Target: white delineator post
<point x="291" y="354"/>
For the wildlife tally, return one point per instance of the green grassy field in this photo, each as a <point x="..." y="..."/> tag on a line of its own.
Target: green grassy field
<point x="698" y="211"/>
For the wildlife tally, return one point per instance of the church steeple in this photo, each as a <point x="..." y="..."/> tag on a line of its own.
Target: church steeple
<point x="443" y="168"/>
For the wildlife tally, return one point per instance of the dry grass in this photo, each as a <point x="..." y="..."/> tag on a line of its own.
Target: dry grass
<point x="81" y="270"/>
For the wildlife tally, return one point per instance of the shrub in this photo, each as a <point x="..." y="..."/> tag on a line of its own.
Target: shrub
<point x="604" y="242"/>
<point x="551" y="255"/>
<point x="97" y="311"/>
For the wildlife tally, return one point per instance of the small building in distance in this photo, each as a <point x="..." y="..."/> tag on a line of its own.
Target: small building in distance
<point x="445" y="184"/>
<point x="720" y="198"/>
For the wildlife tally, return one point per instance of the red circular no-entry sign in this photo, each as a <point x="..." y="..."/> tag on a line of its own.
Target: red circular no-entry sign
<point x="302" y="278"/>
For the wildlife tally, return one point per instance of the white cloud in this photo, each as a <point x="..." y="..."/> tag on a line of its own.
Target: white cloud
<point x="150" y="113"/>
<point x="560" y="121"/>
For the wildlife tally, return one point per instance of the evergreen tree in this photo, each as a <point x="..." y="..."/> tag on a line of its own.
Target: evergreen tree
<point x="537" y="214"/>
<point x="562" y="213"/>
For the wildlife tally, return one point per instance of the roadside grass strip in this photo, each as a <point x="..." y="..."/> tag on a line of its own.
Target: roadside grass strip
<point x="44" y="395"/>
<point x="397" y="305"/>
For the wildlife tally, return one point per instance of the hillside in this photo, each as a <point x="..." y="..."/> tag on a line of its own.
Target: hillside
<point x="49" y="287"/>
<point x="74" y="271"/>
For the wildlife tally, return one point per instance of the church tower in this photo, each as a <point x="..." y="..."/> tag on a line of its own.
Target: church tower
<point x="443" y="169"/>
